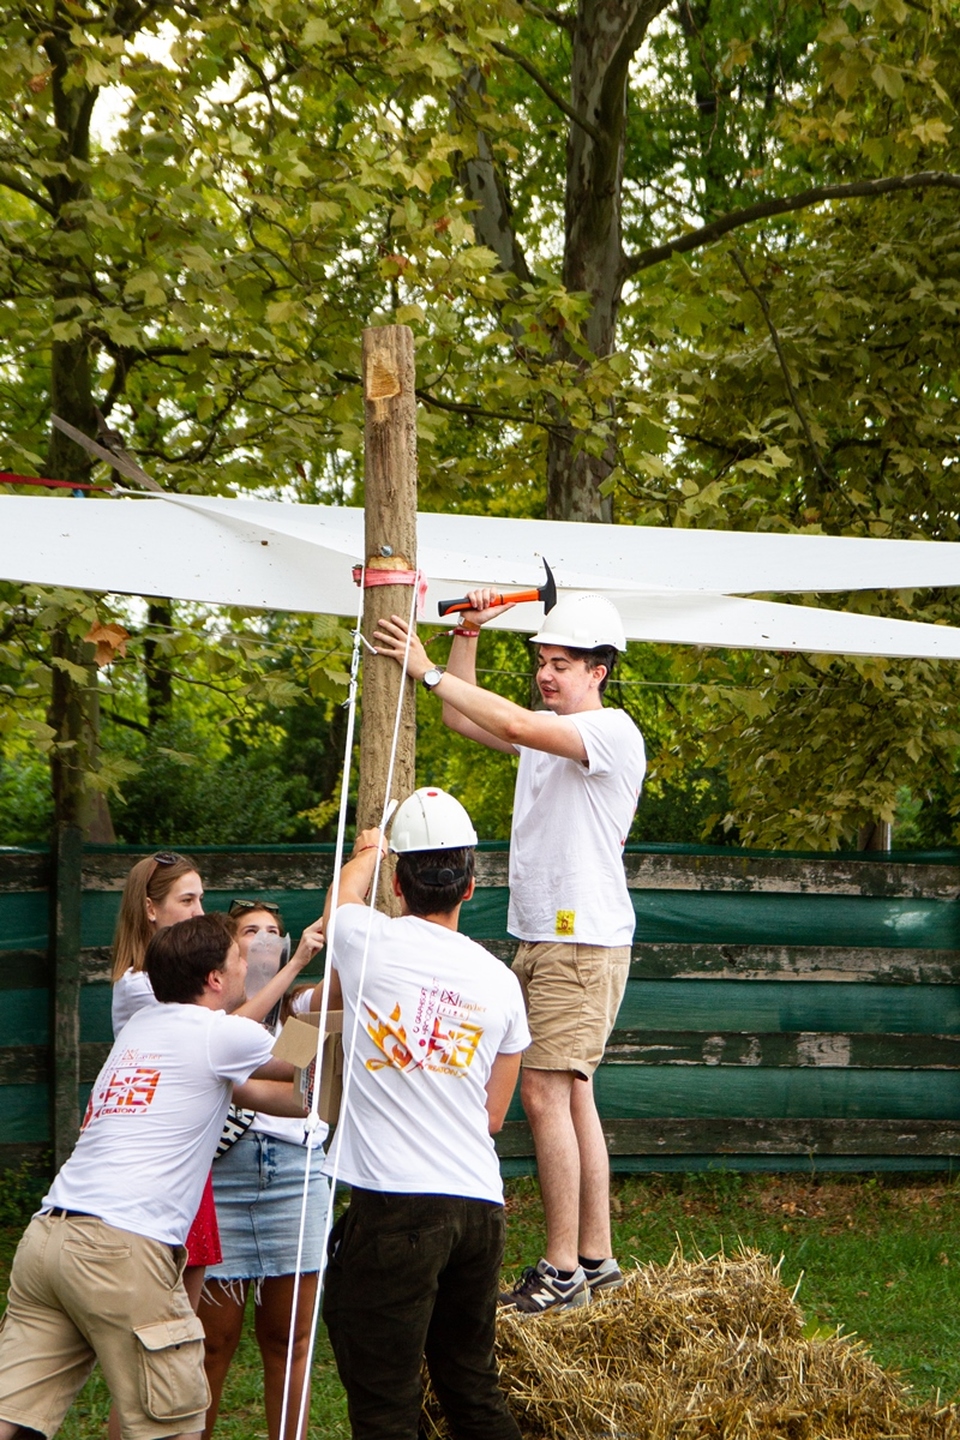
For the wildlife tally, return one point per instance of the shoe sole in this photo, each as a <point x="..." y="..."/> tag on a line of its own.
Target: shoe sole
<point x="600" y="1285"/>
<point x="556" y="1307"/>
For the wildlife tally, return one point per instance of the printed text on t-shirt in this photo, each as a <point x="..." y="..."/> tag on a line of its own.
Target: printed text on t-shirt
<point x="442" y="1036"/>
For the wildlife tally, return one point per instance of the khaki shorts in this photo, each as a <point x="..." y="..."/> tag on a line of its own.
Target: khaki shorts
<point x="81" y="1291"/>
<point x="572" y="993"/>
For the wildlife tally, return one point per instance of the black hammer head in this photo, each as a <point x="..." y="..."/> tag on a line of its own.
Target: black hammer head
<point x="548" y="590"/>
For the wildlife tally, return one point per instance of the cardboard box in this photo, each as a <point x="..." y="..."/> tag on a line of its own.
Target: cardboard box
<point x="297" y="1044"/>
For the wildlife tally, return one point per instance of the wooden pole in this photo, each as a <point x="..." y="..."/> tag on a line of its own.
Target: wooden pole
<point x="65" y="896"/>
<point x="390" y="480"/>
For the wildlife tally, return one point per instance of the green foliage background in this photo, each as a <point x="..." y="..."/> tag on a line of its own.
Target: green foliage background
<point x="279" y="174"/>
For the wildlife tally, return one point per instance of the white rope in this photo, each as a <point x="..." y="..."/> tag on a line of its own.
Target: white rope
<point x="313" y="1119"/>
<point x="312" y="1123"/>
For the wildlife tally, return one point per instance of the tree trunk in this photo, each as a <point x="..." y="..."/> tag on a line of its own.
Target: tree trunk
<point x="606" y="36"/>
<point x="159" y="682"/>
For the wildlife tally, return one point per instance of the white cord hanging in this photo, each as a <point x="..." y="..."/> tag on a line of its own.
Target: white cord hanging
<point x="313" y="1119"/>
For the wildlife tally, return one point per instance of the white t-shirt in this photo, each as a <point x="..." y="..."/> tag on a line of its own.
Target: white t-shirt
<point x="436" y="1011"/>
<point x="130" y="993"/>
<point x="570" y="824"/>
<point x="154" y="1118"/>
<point x="133" y="992"/>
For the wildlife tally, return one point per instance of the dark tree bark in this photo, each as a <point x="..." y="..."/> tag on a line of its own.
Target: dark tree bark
<point x="74" y="712"/>
<point x="604" y="36"/>
<point x="159" y="681"/>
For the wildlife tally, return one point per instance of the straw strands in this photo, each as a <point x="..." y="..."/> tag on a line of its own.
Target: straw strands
<point x="707" y="1349"/>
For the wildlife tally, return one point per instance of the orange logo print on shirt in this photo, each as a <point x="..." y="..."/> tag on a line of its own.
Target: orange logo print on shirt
<point x="443" y="1039"/>
<point x="128" y="1091"/>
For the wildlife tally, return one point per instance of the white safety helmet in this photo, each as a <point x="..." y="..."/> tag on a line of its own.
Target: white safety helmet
<point x="582" y="622"/>
<point x="430" y="819"/>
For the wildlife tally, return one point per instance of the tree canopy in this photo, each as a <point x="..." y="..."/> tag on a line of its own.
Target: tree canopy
<point x="668" y="263"/>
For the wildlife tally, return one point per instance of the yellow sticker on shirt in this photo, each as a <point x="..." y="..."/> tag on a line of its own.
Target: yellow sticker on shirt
<point x="565" y="922"/>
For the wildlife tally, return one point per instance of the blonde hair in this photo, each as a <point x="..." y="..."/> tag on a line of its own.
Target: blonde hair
<point x="151" y="878"/>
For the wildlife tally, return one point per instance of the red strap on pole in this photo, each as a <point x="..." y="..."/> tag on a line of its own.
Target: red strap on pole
<point x="8" y="477"/>
<point x="394" y="577"/>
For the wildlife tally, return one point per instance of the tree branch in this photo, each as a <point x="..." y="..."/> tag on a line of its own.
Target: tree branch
<point x="783" y="205"/>
<point x="10" y="180"/>
<point x="117" y="719"/>
<point x="548" y="90"/>
<point x="564" y="19"/>
<point x="761" y="300"/>
<point x="477" y="412"/>
<point x="634" y="33"/>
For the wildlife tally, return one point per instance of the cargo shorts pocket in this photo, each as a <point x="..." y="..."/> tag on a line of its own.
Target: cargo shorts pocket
<point x="173" y="1385"/>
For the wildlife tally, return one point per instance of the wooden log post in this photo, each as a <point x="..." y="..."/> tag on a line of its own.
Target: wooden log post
<point x="65" y="896"/>
<point x="390" y="481"/>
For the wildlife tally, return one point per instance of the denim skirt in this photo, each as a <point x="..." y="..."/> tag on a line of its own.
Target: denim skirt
<point x="258" y="1187"/>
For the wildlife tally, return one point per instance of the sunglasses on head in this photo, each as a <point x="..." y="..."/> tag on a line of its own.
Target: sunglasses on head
<point x="168" y="857"/>
<point x="243" y="907"/>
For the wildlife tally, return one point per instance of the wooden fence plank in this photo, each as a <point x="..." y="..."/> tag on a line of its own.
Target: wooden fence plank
<point x="826" y="1050"/>
<point x="664" y="961"/>
<point x="700" y="1136"/>
<point x="745" y="873"/>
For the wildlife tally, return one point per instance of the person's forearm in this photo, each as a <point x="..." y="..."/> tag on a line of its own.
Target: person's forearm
<point x="463" y="658"/>
<point x="356" y="876"/>
<point x="334" y="994"/>
<point x="273" y="1069"/>
<point x="270" y="1097"/>
<point x="260" y="1005"/>
<point x="498" y="717"/>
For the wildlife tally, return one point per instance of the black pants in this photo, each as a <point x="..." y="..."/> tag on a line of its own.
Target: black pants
<point x="412" y="1276"/>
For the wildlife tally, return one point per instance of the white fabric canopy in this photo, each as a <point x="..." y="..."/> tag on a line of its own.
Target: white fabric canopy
<point x="675" y="586"/>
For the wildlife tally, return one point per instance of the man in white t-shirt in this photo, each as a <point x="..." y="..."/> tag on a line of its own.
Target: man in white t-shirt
<point x="98" y="1273"/>
<point x="433" y="1030"/>
<point x="578" y="783"/>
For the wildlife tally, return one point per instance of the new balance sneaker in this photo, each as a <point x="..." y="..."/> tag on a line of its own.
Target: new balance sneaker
<point x="540" y="1289"/>
<point x="605" y="1276"/>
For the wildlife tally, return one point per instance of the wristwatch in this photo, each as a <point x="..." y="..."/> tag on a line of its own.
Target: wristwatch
<point x="433" y="677"/>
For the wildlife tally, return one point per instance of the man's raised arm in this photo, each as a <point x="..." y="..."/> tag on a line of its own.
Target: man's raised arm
<point x="495" y="721"/>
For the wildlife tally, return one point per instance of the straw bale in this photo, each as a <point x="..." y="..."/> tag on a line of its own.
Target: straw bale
<point x="702" y="1349"/>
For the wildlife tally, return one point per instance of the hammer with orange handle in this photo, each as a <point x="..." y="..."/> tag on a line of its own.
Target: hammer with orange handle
<point x="547" y="593"/>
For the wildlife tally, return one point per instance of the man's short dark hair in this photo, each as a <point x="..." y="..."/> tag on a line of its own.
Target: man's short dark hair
<point x="602" y="655"/>
<point x="180" y="957"/>
<point x="433" y="882"/>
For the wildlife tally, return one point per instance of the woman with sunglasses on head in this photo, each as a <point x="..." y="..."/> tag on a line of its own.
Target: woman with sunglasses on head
<point x="258" y="1185"/>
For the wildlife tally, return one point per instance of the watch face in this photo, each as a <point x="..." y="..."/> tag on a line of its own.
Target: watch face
<point x="432" y="678"/>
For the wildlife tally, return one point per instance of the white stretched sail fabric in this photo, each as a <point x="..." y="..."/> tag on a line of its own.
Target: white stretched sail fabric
<point x="675" y="586"/>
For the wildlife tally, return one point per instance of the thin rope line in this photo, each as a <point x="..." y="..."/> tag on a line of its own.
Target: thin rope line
<point x="333" y="1174"/>
<point x="313" y="1121"/>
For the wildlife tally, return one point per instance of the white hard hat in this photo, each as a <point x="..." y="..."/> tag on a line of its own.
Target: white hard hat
<point x="430" y="819"/>
<point x="582" y="622"/>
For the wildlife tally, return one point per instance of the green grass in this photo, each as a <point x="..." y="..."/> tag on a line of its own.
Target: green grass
<point x="879" y="1257"/>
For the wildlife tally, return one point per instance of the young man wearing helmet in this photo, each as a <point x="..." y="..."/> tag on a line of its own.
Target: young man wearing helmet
<point x="578" y="783"/>
<point x="415" y="1261"/>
